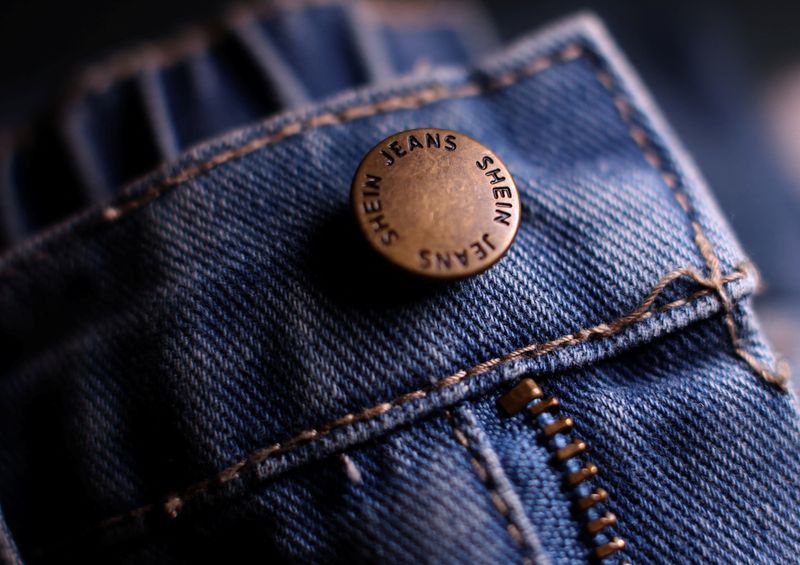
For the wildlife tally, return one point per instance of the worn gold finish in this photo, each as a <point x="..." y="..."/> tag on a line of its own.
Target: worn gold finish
<point x="598" y="496"/>
<point x="607" y="549"/>
<point x="518" y="397"/>
<point x="551" y="404"/>
<point x="436" y="203"/>
<point x="607" y="519"/>
<point x="570" y="450"/>
<point x="558" y="426"/>
<point x="587" y="471"/>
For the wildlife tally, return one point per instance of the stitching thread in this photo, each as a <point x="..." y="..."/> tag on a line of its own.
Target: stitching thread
<point x="161" y="53"/>
<point x="401" y="102"/>
<point x="497" y="499"/>
<point x="174" y="502"/>
<point x="172" y="49"/>
<point x="781" y="375"/>
<point x="715" y="284"/>
<point x="436" y="93"/>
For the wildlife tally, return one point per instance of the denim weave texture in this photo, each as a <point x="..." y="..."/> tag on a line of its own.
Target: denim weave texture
<point x="211" y="364"/>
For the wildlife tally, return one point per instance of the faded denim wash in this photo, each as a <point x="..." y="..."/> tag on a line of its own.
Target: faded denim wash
<point x="212" y="366"/>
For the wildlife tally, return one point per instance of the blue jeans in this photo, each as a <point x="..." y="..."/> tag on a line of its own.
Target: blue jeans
<point x="211" y="366"/>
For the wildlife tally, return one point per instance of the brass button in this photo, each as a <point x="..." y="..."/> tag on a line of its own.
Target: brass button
<point x="436" y="203"/>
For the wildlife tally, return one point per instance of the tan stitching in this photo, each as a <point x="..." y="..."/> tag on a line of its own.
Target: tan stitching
<point x="402" y="102"/>
<point x="100" y="76"/>
<point x="175" y="501"/>
<point x="494" y="495"/>
<point x="166" y="52"/>
<point x="781" y="374"/>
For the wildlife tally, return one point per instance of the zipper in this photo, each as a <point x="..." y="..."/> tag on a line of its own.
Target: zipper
<point x="570" y="456"/>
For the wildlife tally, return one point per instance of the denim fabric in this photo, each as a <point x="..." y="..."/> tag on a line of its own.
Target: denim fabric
<point x="139" y="109"/>
<point x="696" y="65"/>
<point x="214" y="366"/>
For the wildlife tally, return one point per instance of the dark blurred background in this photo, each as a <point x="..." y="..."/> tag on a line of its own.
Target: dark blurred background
<point x="42" y="43"/>
<point x="726" y="74"/>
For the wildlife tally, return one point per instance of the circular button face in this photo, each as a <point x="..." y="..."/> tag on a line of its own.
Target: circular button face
<point x="436" y="202"/>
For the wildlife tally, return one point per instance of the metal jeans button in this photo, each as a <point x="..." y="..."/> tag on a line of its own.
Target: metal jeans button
<point x="436" y="203"/>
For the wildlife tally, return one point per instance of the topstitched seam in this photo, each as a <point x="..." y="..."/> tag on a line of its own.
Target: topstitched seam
<point x="498" y="501"/>
<point x="417" y="99"/>
<point x="642" y="140"/>
<point x="165" y="52"/>
<point x="174" y="502"/>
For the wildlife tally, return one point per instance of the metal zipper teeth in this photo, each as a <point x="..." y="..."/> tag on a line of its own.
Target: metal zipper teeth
<point x="527" y="395"/>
